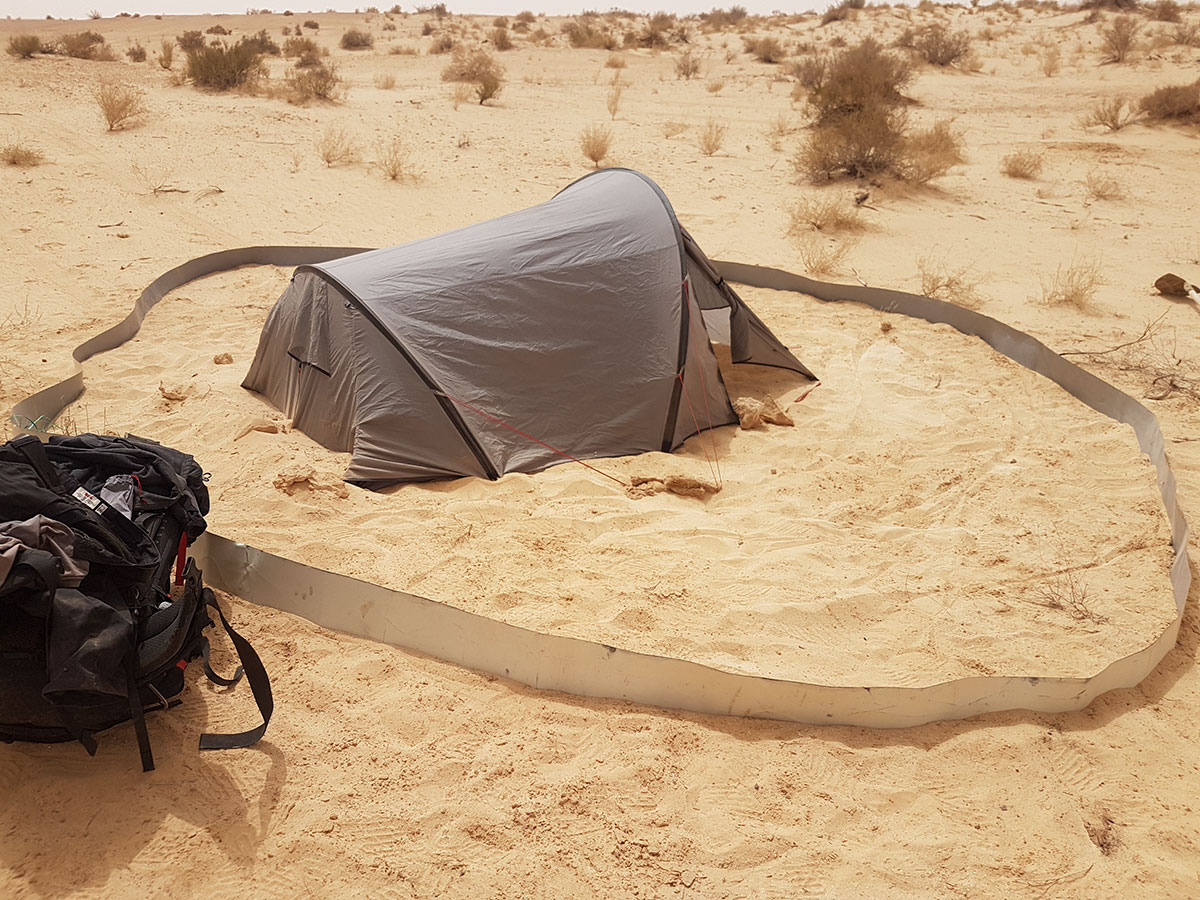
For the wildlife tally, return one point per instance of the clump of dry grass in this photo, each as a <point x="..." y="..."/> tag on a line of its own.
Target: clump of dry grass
<point x="23" y="46"/>
<point x="715" y="85"/>
<point x="711" y="137"/>
<point x="1026" y="164"/>
<point x="596" y="143"/>
<point x="1165" y="11"/>
<point x="670" y="129"/>
<point x="1186" y="34"/>
<point x="336" y="147"/>
<point x="942" y="281"/>
<point x="385" y="81"/>
<point x="613" y="100"/>
<point x="687" y="65"/>
<point x="166" y="54"/>
<point x="320" y="82"/>
<point x="1119" y="39"/>
<point x="1073" y="286"/>
<point x="1067" y="592"/>
<point x="121" y="105"/>
<point x="1114" y="114"/>
<point x="443" y="43"/>
<point x="821" y="255"/>
<point x="615" y="61"/>
<point x="781" y="126"/>
<point x="829" y="214"/>
<point x="1050" y="61"/>
<point x="1103" y="187"/>
<point x="394" y="158"/>
<point x="17" y="153"/>
<point x="136" y="53"/>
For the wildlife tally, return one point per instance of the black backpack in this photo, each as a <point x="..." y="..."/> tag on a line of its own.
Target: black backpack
<point x="79" y="652"/>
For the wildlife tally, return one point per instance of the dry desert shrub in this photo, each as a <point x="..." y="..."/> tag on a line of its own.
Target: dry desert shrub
<point x="1186" y="34"/>
<point x="443" y="43"/>
<point x="939" y="46"/>
<point x="615" y="61"/>
<point x="596" y="142"/>
<point x="711" y="137"/>
<point x="166" y="54"/>
<point x="1026" y="164"/>
<point x="671" y="129"/>
<point x="942" y="281"/>
<point x="319" y="82"/>
<point x="121" y="105"/>
<point x="136" y="53"/>
<point x="838" y="13"/>
<point x="1113" y="114"/>
<point x="312" y="24"/>
<point x="336" y="147"/>
<point x="1175" y="101"/>
<point x="223" y="67"/>
<point x="17" y="153"/>
<point x="584" y="34"/>
<point x="394" y="157"/>
<point x="715" y="85"/>
<point x="1074" y="286"/>
<point x="1103" y="187"/>
<point x="263" y="43"/>
<point x="23" y="46"/>
<point x="357" y="39"/>
<point x="300" y="46"/>
<point x="766" y="49"/>
<point x="385" y="81"/>
<point x="929" y="153"/>
<point x="476" y="67"/>
<point x="821" y="255"/>
<point x="85" y="45"/>
<point x="859" y="128"/>
<point x="687" y="66"/>
<point x="1165" y="11"/>
<point x="1118" y="40"/>
<point x="823" y="213"/>
<point x="190" y="40"/>
<point x="219" y="30"/>
<point x="500" y="39"/>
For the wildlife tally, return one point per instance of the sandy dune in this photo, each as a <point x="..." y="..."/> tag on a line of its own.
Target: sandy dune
<point x="903" y="532"/>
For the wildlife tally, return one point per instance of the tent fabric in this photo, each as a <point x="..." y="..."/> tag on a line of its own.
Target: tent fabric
<point x="579" y="323"/>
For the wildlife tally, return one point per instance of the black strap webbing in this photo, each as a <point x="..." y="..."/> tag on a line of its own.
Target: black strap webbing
<point x="137" y="711"/>
<point x="35" y="454"/>
<point x="260" y="686"/>
<point x="205" y="650"/>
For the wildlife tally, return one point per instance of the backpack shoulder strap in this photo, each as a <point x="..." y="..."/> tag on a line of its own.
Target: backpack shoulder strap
<point x="35" y="454"/>
<point x="260" y="686"/>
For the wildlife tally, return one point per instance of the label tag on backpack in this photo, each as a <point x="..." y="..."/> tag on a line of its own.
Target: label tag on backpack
<point x="90" y="500"/>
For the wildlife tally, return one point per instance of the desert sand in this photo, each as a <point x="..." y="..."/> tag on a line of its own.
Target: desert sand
<point x="904" y="531"/>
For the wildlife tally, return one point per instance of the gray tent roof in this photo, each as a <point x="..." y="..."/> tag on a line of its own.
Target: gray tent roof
<point x="559" y="326"/>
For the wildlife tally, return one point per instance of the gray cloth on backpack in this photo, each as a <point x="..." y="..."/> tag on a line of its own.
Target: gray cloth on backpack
<point x="119" y="492"/>
<point x="41" y="533"/>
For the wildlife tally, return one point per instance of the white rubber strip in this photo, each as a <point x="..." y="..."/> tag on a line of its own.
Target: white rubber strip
<point x="551" y="662"/>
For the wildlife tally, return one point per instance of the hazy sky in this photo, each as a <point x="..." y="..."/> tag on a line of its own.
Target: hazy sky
<point x="78" y="9"/>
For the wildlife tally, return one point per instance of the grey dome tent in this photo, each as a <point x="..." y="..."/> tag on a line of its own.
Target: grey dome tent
<point x="581" y="324"/>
